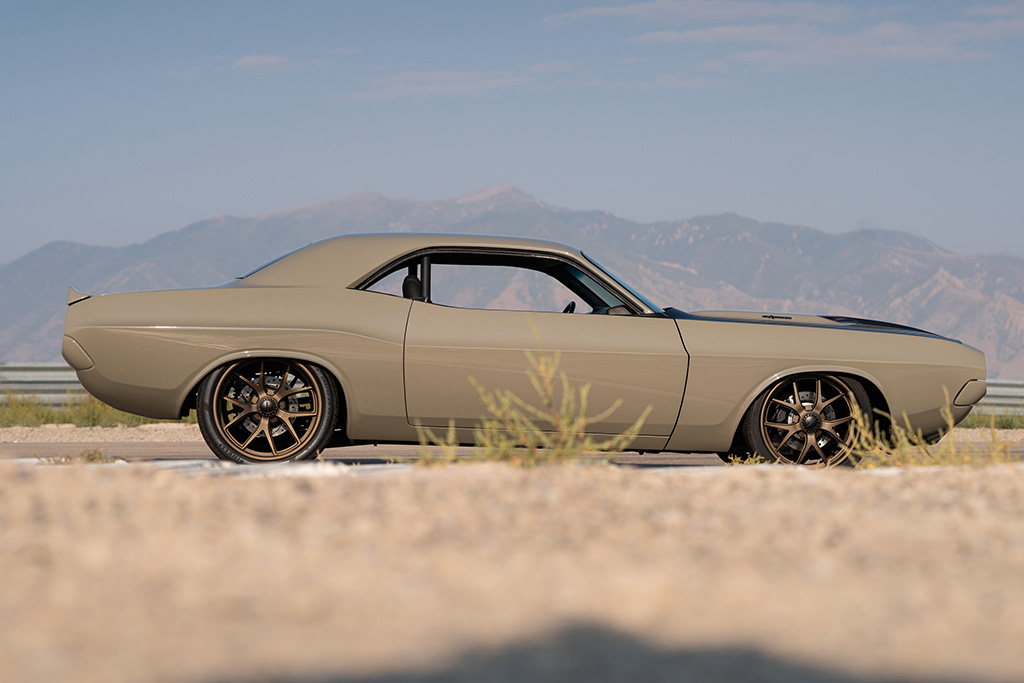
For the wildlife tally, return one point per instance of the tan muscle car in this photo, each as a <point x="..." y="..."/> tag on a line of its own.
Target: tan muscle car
<point x="358" y="338"/>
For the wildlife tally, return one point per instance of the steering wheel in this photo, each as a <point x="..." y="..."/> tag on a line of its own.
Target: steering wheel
<point x="569" y="307"/>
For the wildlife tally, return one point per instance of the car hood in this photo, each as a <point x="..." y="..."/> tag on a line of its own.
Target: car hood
<point x="804" y="320"/>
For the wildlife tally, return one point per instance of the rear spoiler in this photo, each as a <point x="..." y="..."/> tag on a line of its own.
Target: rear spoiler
<point x="74" y="296"/>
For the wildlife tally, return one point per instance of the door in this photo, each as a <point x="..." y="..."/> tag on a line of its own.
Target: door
<point x="482" y="329"/>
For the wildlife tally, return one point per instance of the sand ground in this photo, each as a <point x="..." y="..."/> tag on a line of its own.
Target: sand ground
<point x="137" y="572"/>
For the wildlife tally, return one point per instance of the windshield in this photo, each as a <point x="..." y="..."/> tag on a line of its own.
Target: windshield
<point x="646" y="302"/>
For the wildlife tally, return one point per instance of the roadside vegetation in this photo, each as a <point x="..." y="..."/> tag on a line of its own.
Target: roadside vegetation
<point x="20" y="411"/>
<point x="551" y="428"/>
<point x="903" y="447"/>
<point x="982" y="420"/>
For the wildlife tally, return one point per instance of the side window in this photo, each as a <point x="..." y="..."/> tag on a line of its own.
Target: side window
<point x="499" y="281"/>
<point x="498" y="287"/>
<point x="391" y="284"/>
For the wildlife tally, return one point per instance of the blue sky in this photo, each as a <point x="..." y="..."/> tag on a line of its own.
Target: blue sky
<point x="122" y="120"/>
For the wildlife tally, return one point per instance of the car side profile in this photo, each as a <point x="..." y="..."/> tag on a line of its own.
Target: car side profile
<point x="358" y="338"/>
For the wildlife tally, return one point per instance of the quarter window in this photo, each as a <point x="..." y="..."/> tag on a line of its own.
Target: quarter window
<point x="390" y="284"/>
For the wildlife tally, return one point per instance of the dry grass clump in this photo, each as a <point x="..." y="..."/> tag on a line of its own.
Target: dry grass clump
<point x="979" y="419"/>
<point x="900" y="446"/>
<point x="552" y="430"/>
<point x="904" y="447"/>
<point x="737" y="460"/>
<point x="437" y="450"/>
<point x="28" y="411"/>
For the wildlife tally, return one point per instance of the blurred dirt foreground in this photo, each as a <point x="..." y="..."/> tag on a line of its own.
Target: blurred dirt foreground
<point x="485" y="572"/>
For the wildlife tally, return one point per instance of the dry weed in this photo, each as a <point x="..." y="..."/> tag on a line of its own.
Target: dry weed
<point x="906" y="447"/>
<point x="437" y="450"/>
<point x="522" y="433"/>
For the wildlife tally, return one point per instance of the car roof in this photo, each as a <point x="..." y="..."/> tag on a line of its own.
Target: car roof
<point x="350" y="258"/>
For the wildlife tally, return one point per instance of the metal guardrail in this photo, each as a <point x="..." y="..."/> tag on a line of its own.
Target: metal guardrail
<point x="1004" y="396"/>
<point x="49" y="383"/>
<point x="56" y="384"/>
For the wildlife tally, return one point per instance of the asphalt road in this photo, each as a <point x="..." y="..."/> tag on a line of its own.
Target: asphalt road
<point x="178" y="443"/>
<point x="353" y="455"/>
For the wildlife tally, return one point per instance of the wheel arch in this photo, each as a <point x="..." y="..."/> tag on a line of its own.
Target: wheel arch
<point x="189" y="400"/>
<point x="879" y="404"/>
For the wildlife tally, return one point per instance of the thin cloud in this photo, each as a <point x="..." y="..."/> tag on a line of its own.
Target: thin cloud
<point x="1013" y="9"/>
<point x="551" y="67"/>
<point x="676" y="82"/>
<point x="792" y="47"/>
<point x="267" y="64"/>
<point x="794" y="36"/>
<point x="589" y="81"/>
<point x="433" y="83"/>
<point x="712" y="66"/>
<point x="345" y="51"/>
<point x="993" y="30"/>
<point x="760" y="33"/>
<point x="709" y="11"/>
<point x="189" y="73"/>
<point x="262" y="64"/>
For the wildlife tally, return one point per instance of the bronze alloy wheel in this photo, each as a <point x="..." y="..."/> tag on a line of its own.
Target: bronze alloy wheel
<point x="261" y="410"/>
<point x="807" y="420"/>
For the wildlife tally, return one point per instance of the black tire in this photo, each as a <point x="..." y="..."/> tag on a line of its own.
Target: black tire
<point x="260" y="410"/>
<point x="807" y="420"/>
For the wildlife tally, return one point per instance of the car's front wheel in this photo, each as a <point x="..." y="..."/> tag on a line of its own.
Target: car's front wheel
<point x="807" y="420"/>
<point x="267" y="410"/>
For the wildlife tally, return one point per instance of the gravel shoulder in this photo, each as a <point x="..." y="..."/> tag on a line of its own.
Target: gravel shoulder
<point x="168" y="432"/>
<point x="486" y="572"/>
<point x="177" y="432"/>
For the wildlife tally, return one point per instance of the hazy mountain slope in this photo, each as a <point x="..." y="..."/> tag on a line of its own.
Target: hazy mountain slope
<point x="725" y="261"/>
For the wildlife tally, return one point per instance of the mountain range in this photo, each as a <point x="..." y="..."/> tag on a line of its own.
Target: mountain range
<point x="706" y="262"/>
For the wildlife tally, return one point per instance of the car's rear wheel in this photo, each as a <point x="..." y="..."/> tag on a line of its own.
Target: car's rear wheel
<point x="267" y="410"/>
<point x="807" y="420"/>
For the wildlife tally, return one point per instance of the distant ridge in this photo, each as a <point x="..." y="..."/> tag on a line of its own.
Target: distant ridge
<point x="705" y="262"/>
